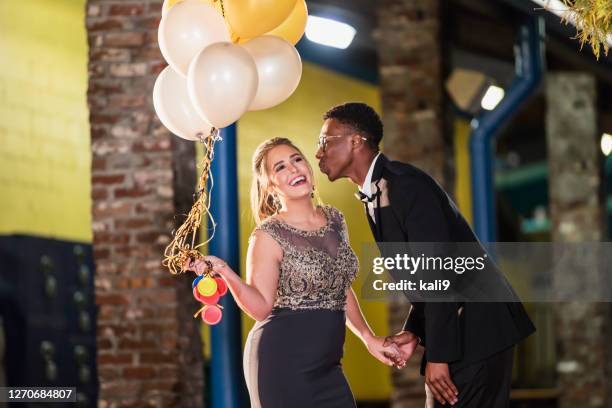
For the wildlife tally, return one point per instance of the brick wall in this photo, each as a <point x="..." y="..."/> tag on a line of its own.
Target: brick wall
<point x="410" y="65"/>
<point x="149" y="347"/>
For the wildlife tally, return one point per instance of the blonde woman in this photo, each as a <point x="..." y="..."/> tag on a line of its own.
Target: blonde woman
<point x="300" y="267"/>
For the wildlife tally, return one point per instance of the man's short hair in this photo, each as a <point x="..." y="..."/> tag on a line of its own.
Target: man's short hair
<point x="362" y="118"/>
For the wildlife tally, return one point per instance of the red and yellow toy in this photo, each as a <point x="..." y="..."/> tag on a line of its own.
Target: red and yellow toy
<point x="208" y="290"/>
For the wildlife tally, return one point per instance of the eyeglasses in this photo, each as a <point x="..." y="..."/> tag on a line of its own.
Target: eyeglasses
<point x="323" y="140"/>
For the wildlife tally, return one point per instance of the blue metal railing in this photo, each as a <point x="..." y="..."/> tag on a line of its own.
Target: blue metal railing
<point x="529" y="65"/>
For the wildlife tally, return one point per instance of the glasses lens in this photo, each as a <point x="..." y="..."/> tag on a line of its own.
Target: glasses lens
<point x="321" y="144"/>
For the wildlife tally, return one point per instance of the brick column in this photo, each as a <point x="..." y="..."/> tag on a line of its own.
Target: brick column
<point x="149" y="350"/>
<point x="582" y="329"/>
<point x="410" y="65"/>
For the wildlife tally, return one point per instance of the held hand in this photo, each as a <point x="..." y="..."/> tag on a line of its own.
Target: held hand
<point x="406" y="342"/>
<point x="201" y="265"/>
<point x="437" y="378"/>
<point x="386" y="354"/>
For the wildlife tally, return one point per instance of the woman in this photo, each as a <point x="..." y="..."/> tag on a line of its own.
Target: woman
<point x="300" y="267"/>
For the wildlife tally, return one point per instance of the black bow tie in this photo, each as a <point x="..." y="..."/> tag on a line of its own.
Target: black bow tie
<point x="361" y="196"/>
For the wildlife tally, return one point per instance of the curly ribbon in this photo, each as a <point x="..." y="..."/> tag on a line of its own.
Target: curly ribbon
<point x="184" y="247"/>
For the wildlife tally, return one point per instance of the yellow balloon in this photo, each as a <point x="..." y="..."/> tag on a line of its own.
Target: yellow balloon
<point x="252" y="18"/>
<point x="168" y="4"/>
<point x="292" y="29"/>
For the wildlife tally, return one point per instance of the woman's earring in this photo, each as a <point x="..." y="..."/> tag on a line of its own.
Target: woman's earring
<point x="312" y="192"/>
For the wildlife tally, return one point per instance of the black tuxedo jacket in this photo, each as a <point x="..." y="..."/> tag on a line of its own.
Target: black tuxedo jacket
<point x="410" y="206"/>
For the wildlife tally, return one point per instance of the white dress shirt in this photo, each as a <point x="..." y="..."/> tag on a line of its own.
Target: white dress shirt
<point x="366" y="188"/>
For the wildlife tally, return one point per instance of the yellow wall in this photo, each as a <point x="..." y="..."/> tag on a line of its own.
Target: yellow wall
<point x="44" y="133"/>
<point x="463" y="180"/>
<point x="299" y="118"/>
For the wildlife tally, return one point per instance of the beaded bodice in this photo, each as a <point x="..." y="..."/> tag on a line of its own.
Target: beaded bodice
<point x="317" y="266"/>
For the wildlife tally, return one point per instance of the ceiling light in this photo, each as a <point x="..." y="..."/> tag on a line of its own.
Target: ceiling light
<point x="492" y="97"/>
<point x="329" y="32"/>
<point x="606" y="144"/>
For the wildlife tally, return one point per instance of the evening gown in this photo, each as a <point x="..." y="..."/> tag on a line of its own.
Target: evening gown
<point x="292" y="358"/>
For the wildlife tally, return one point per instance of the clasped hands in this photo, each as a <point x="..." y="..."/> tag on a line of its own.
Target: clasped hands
<point x="404" y="343"/>
<point x="392" y="350"/>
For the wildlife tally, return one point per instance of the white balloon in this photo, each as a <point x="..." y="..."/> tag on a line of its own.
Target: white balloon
<point x="222" y="82"/>
<point x="186" y="29"/>
<point x="279" y="67"/>
<point x="173" y="107"/>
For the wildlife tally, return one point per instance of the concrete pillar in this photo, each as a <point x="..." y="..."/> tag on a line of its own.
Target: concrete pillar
<point x="582" y="328"/>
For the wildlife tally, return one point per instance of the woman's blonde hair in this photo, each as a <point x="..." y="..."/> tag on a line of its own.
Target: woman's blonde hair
<point x="263" y="202"/>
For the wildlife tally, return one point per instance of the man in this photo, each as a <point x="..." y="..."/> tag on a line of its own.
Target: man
<point x="469" y="346"/>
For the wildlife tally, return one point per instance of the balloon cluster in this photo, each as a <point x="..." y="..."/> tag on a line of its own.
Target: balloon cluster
<point x="208" y="290"/>
<point x="225" y="57"/>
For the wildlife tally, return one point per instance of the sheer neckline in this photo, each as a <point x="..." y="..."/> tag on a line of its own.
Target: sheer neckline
<point x="316" y="232"/>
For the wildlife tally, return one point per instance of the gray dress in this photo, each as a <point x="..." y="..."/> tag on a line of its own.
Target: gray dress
<point x="292" y="358"/>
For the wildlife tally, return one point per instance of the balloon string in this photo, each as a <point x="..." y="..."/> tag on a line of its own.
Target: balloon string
<point x="179" y="250"/>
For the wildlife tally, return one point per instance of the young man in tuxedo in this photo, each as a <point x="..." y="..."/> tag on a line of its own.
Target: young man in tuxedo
<point x="469" y="346"/>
